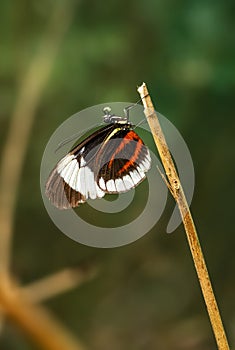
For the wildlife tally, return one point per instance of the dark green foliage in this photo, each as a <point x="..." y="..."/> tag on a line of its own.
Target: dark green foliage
<point x="146" y="295"/>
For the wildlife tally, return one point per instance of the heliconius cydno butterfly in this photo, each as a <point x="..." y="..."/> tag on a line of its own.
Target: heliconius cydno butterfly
<point x="113" y="159"/>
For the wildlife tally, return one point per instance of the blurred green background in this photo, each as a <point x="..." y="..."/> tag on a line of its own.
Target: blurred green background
<point x="146" y="295"/>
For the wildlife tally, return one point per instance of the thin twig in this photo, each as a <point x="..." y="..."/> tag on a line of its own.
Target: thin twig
<point x="178" y="194"/>
<point x="57" y="283"/>
<point x="165" y="180"/>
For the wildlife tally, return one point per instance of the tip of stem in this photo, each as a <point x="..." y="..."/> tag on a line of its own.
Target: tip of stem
<point x="142" y="90"/>
<point x="141" y="86"/>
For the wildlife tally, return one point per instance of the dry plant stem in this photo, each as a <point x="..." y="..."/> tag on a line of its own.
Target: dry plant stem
<point x="36" y="321"/>
<point x="178" y="194"/>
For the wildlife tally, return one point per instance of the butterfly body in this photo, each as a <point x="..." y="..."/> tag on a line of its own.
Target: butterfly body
<point x="113" y="159"/>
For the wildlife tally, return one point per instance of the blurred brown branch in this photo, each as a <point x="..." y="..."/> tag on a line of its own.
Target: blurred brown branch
<point x="36" y="321"/>
<point x="30" y="92"/>
<point x="57" y="283"/>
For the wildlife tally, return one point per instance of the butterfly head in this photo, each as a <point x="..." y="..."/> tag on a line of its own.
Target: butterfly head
<point x="113" y="118"/>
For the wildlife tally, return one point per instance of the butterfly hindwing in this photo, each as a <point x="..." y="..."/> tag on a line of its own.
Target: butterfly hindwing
<point x="122" y="162"/>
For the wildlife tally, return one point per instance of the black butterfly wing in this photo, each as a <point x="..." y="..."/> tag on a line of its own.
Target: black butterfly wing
<point x="73" y="179"/>
<point x="113" y="159"/>
<point x="122" y="161"/>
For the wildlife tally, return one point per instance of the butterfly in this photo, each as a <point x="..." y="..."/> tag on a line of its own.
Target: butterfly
<point x="112" y="160"/>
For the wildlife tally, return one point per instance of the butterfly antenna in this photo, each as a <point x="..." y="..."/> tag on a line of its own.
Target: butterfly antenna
<point x="128" y="108"/>
<point x="140" y="123"/>
<point x="73" y="137"/>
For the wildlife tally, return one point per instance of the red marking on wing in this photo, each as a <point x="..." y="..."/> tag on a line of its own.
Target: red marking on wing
<point x="131" y="161"/>
<point x="130" y="136"/>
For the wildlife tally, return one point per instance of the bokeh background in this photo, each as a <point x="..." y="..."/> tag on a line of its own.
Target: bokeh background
<point x="58" y="57"/>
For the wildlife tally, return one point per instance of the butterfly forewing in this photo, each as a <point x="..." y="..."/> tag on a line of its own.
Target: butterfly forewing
<point x="72" y="181"/>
